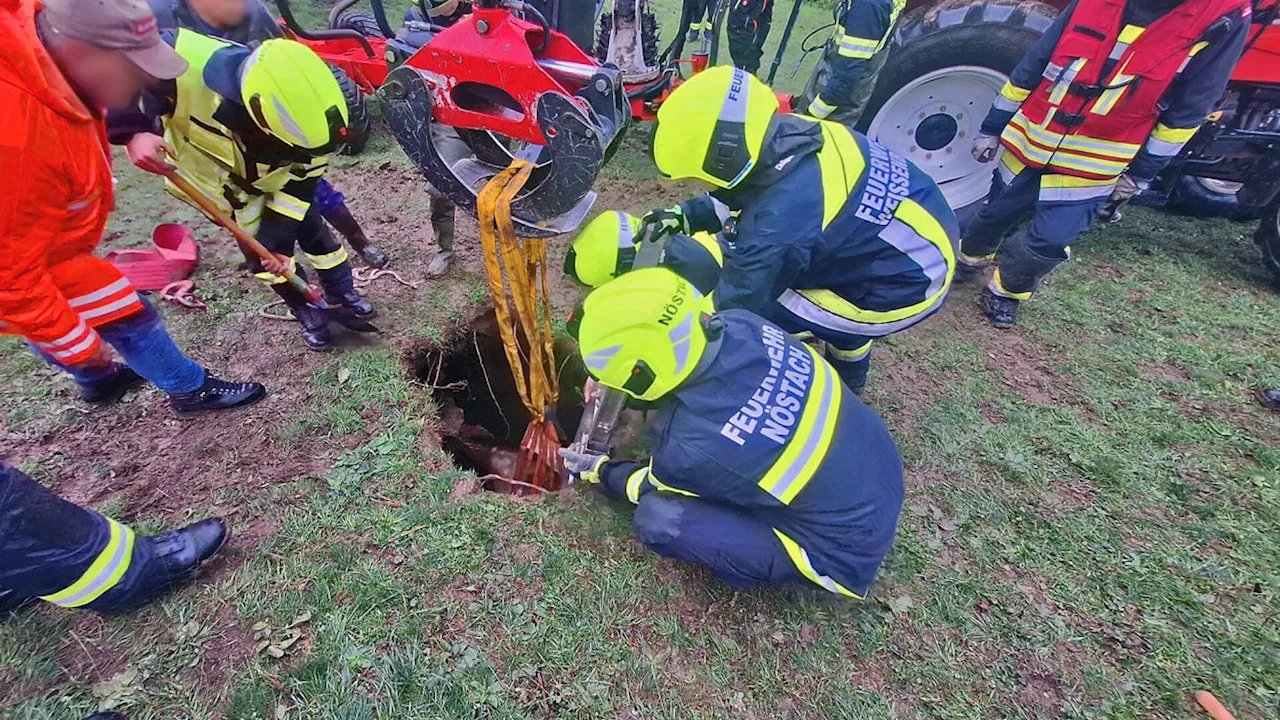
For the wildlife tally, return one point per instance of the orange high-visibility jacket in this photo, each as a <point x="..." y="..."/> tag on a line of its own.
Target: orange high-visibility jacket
<point x="55" y="195"/>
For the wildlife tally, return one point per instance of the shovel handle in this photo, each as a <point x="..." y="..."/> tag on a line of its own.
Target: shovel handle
<point x="244" y="238"/>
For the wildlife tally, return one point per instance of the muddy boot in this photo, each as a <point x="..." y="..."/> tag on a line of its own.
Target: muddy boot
<point x="1269" y="397"/>
<point x="1001" y="311"/>
<point x="970" y="268"/>
<point x="340" y="289"/>
<point x="112" y="387"/>
<point x="341" y="219"/>
<point x="216" y="394"/>
<point x="442" y="225"/>
<point x="315" y="326"/>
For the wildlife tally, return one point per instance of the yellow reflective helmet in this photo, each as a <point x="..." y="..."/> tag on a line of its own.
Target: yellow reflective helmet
<point x="712" y="127"/>
<point x="604" y="249"/>
<point x="292" y="95"/>
<point x="642" y="333"/>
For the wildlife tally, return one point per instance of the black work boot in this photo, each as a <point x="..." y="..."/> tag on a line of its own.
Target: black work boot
<point x="216" y="394"/>
<point x="340" y="289"/>
<point x="341" y="219"/>
<point x="314" y="325"/>
<point x="970" y="268"/>
<point x="1269" y="397"/>
<point x="1001" y="311"/>
<point x="176" y="556"/>
<point x="112" y="387"/>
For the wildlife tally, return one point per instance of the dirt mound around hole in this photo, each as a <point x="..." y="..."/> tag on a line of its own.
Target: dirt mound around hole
<point x="482" y="418"/>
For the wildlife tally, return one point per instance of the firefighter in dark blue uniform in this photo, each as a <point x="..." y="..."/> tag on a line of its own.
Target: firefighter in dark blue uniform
<point x="834" y="234"/>
<point x="64" y="554"/>
<point x="842" y="82"/>
<point x="765" y="468"/>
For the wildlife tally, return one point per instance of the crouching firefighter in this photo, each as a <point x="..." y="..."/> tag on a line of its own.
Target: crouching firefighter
<point x="835" y="235"/>
<point x="64" y="554"/>
<point x="765" y="469"/>
<point x="1104" y="100"/>
<point x="846" y="75"/>
<point x="251" y="129"/>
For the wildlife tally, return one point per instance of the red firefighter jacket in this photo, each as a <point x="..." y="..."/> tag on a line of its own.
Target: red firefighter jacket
<point x="1099" y="97"/>
<point x="55" y="195"/>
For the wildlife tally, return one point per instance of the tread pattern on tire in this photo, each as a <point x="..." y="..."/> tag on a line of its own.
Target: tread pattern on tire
<point x="358" y="122"/>
<point x="362" y="21"/>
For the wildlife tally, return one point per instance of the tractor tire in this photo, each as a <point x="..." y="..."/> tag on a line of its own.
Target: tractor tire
<point x="947" y="64"/>
<point x="603" y="35"/>
<point x="358" y="122"/>
<point x="1203" y="197"/>
<point x="1268" y="239"/>
<point x="649" y="30"/>
<point x="362" y="21"/>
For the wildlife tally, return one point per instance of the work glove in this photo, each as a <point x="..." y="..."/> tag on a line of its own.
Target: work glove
<point x="669" y="221"/>
<point x="148" y="152"/>
<point x="1127" y="189"/>
<point x="584" y="465"/>
<point x="985" y="148"/>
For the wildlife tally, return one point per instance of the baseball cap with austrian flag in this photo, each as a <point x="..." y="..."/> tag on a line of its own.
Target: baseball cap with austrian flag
<point x="125" y="25"/>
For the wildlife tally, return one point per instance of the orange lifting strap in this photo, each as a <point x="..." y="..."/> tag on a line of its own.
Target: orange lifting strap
<point x="522" y="306"/>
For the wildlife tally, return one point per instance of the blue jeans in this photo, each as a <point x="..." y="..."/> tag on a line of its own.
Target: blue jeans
<point x="145" y="346"/>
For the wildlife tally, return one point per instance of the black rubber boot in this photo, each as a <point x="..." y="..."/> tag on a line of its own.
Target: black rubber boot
<point x="1269" y="397"/>
<point x="1001" y="311"/>
<point x="110" y="389"/>
<point x="341" y="219"/>
<point x="216" y="394"/>
<point x="968" y="269"/>
<point x="340" y="289"/>
<point x="313" y="323"/>
<point x="176" y="556"/>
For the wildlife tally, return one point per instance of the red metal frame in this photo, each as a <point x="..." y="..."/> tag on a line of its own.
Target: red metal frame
<point x="368" y="71"/>
<point x="1261" y="64"/>
<point x="463" y="62"/>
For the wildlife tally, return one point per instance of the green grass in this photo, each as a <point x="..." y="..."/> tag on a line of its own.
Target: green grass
<point x="1091" y="527"/>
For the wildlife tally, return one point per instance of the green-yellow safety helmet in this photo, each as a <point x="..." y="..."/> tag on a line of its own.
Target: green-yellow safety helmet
<point x="712" y="127"/>
<point x="642" y="333"/>
<point x="604" y="249"/>
<point x="292" y="95"/>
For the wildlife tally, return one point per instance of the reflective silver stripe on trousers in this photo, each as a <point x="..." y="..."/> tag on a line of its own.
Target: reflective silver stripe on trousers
<point x="1163" y="148"/>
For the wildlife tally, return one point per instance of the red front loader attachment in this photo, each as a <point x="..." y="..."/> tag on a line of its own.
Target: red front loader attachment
<point x="511" y="89"/>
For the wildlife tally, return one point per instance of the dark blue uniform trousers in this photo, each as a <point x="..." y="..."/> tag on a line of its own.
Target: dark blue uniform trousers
<point x="1031" y="253"/>
<point x="740" y="550"/>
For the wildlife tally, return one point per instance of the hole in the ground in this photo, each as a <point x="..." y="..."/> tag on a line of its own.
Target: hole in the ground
<point x="482" y="419"/>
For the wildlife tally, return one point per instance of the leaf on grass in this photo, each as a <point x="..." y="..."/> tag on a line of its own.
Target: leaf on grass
<point x="304" y="617"/>
<point x="343" y="375"/>
<point x="901" y="604"/>
<point x="262" y="645"/>
<point x="260" y="626"/>
<point x="275" y="652"/>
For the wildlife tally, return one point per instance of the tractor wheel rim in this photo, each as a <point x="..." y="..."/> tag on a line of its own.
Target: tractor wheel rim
<point x="933" y="121"/>
<point x="1220" y="187"/>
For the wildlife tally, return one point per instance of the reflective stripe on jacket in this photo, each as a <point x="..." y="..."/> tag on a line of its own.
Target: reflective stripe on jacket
<point x="857" y="230"/>
<point x="55" y="195"/>
<point x="1098" y="99"/>
<point x="209" y="156"/>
